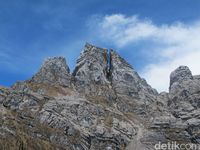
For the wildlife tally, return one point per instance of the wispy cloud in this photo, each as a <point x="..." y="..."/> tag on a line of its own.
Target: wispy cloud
<point x="171" y="45"/>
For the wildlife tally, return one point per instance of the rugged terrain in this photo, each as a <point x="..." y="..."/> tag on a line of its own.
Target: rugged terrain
<point x="103" y="105"/>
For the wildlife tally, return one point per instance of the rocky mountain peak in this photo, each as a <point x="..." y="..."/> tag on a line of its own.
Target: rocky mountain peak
<point x="53" y="71"/>
<point x="104" y="104"/>
<point x="118" y="61"/>
<point x="124" y="75"/>
<point x="91" y="48"/>
<point x="180" y="74"/>
<point x="91" y="66"/>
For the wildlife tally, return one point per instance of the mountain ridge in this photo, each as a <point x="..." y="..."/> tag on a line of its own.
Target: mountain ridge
<point x="102" y="104"/>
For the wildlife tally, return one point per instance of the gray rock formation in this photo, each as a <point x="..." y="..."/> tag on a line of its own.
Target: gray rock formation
<point x="92" y="66"/>
<point x="53" y="78"/>
<point x="53" y="71"/>
<point x="103" y="105"/>
<point x="92" y="76"/>
<point x="180" y="74"/>
<point x="125" y="79"/>
<point x="133" y="93"/>
<point x="178" y="115"/>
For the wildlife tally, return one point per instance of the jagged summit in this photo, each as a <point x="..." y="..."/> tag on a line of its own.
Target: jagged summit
<point x="104" y="104"/>
<point x="91" y="65"/>
<point x="53" y="71"/>
<point x="123" y="72"/>
<point x="180" y="74"/>
<point x="116" y="58"/>
<point x="102" y="66"/>
<point x="89" y="47"/>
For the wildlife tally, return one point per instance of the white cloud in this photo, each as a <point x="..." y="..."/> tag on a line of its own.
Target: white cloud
<point x="174" y="44"/>
<point x="158" y="74"/>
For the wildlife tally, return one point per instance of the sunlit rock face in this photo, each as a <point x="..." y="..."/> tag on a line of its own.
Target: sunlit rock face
<point x="102" y="105"/>
<point x="92" y="66"/>
<point x="179" y="75"/>
<point x="133" y="92"/>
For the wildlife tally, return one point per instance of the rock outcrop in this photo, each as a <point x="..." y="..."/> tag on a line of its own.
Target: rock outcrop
<point x="53" y="71"/>
<point x="180" y="74"/>
<point x="52" y="79"/>
<point x="133" y="93"/>
<point x="103" y="105"/>
<point x="178" y="115"/>
<point x="92" y="66"/>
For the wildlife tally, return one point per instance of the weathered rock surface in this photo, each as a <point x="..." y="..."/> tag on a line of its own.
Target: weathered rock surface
<point x="133" y="92"/>
<point x="53" y="71"/>
<point x="92" y="66"/>
<point x="180" y="74"/>
<point x="103" y="105"/>
<point x="52" y="79"/>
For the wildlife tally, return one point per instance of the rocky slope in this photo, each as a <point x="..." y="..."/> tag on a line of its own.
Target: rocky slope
<point x="103" y="105"/>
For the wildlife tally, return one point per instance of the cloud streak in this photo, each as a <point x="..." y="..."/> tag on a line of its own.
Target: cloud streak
<point x="171" y="45"/>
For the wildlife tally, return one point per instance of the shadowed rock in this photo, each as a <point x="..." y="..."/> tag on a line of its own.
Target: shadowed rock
<point x="53" y="71"/>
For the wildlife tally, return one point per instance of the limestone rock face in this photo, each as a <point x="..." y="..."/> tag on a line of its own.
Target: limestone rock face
<point x="91" y="75"/>
<point x="133" y="92"/>
<point x="91" y="66"/>
<point x="92" y="126"/>
<point x="184" y="100"/>
<point x="179" y="109"/>
<point x="53" y="78"/>
<point x="53" y="71"/>
<point x="126" y="80"/>
<point x="180" y="74"/>
<point x="103" y="105"/>
<point x="184" y="92"/>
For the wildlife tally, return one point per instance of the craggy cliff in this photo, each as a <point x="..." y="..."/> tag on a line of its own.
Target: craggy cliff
<point x="103" y="105"/>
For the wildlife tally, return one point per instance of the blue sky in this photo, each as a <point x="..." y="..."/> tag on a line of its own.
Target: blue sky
<point x="154" y="36"/>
